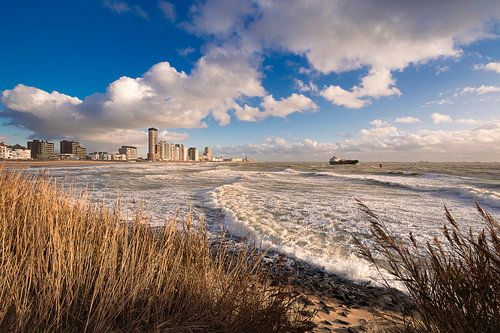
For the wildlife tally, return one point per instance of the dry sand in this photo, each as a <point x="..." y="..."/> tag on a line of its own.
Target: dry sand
<point x="332" y="315"/>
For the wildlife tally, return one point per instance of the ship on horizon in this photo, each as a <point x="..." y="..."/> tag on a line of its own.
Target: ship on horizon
<point x="334" y="160"/>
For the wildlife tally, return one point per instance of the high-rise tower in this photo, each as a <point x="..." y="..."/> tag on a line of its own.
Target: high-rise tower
<point x="152" y="142"/>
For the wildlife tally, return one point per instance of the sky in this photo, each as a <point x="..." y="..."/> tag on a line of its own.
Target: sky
<point x="294" y="80"/>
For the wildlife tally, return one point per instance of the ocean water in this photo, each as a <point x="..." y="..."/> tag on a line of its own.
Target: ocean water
<point x="304" y="210"/>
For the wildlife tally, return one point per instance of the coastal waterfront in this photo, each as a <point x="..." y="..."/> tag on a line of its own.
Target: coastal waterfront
<point x="304" y="210"/>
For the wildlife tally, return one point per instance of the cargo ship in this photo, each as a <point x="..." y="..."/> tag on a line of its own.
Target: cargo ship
<point x="336" y="161"/>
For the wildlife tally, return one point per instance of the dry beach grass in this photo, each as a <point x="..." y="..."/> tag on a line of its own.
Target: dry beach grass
<point x="70" y="265"/>
<point x="453" y="283"/>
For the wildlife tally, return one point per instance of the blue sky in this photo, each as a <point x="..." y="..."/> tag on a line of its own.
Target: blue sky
<point x="276" y="80"/>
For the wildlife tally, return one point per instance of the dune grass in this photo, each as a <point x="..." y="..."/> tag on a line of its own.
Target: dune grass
<point x="453" y="283"/>
<point x="74" y="266"/>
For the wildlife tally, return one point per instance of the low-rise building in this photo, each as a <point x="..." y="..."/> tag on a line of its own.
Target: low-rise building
<point x="67" y="157"/>
<point x="18" y="152"/>
<point x="129" y="151"/>
<point x="100" y="156"/>
<point x="119" y="157"/>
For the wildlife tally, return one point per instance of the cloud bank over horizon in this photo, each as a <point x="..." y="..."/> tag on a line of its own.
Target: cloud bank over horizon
<point x="383" y="143"/>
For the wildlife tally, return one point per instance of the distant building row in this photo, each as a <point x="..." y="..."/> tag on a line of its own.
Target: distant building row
<point x="69" y="150"/>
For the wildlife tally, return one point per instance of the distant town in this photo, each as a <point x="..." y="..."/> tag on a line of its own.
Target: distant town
<point x="162" y="151"/>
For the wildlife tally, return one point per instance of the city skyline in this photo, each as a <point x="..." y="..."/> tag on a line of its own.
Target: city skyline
<point x="371" y="80"/>
<point x="161" y="151"/>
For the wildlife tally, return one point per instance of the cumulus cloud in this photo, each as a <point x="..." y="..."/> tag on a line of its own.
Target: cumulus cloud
<point x="407" y="120"/>
<point x="378" y="83"/>
<point x="163" y="97"/>
<point x="168" y="10"/>
<point x="276" y="108"/>
<point x="481" y="90"/>
<point x="339" y="36"/>
<point x="340" y="96"/>
<point x="476" y="144"/>
<point x="438" y="118"/>
<point x="491" y="66"/>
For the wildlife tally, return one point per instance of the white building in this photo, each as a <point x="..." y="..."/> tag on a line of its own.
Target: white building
<point x="119" y="157"/>
<point x="166" y="151"/>
<point x="100" y="156"/>
<point x="130" y="151"/>
<point x="16" y="152"/>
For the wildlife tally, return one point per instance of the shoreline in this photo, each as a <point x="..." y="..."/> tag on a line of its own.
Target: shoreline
<point x="336" y="303"/>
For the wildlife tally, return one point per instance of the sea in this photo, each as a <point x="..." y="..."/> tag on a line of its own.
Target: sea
<point x="307" y="211"/>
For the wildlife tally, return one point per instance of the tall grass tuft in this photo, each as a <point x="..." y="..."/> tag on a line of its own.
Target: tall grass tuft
<point x="454" y="283"/>
<point x="74" y="266"/>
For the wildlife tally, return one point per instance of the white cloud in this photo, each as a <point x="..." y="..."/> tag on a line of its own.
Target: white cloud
<point x="117" y="6"/>
<point x="273" y="108"/>
<point x="438" y="118"/>
<point x="377" y="83"/>
<point x="407" y="120"/>
<point x="286" y="106"/>
<point x="481" y="90"/>
<point x="491" y="66"/>
<point x="439" y="102"/>
<point x="441" y="69"/>
<point x="184" y="52"/>
<point x="340" y="96"/>
<point x="121" y="7"/>
<point x="162" y="97"/>
<point x="306" y="87"/>
<point x="379" y="123"/>
<point x="339" y="36"/>
<point x="379" y="132"/>
<point x="141" y="12"/>
<point x="168" y="10"/>
<point x="469" y="121"/>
